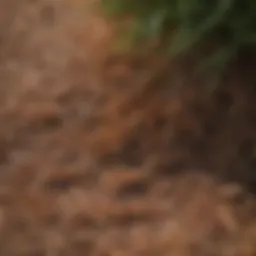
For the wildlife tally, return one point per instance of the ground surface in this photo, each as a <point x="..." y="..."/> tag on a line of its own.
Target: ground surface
<point x="101" y="155"/>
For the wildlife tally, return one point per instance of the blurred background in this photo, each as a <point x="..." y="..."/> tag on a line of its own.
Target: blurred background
<point x="127" y="128"/>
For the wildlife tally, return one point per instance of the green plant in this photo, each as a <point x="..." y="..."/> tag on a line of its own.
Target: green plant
<point x="187" y="24"/>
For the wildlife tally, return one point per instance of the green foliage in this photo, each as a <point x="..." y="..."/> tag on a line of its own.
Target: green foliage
<point x="186" y="24"/>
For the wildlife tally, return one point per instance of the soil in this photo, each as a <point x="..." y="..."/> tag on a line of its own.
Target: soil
<point x="106" y="154"/>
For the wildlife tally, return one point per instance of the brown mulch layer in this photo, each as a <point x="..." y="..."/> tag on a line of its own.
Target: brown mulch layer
<point x="113" y="155"/>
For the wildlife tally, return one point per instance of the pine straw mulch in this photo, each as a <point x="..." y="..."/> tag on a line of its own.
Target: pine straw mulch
<point x="104" y="154"/>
